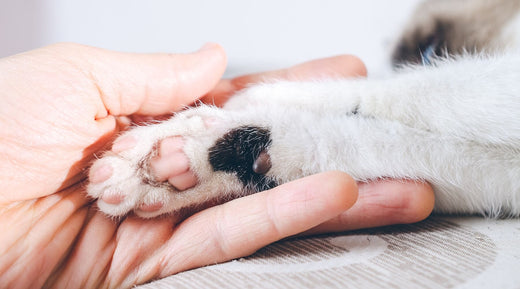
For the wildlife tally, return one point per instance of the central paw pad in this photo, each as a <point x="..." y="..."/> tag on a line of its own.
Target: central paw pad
<point x="243" y="151"/>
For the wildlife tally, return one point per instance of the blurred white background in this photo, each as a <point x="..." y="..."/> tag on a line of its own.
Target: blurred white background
<point x="257" y="34"/>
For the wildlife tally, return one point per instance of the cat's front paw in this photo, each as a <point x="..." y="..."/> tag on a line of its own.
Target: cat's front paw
<point x="144" y="186"/>
<point x="197" y="157"/>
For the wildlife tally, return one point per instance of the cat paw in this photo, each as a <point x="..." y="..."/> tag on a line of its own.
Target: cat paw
<point x="197" y="157"/>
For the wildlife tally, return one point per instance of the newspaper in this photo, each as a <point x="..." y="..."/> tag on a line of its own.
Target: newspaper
<point x="441" y="252"/>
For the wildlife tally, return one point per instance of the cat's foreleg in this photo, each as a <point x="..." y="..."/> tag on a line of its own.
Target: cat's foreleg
<point x="472" y="98"/>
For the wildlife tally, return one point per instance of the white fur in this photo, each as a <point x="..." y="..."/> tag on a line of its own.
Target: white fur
<point x="455" y="125"/>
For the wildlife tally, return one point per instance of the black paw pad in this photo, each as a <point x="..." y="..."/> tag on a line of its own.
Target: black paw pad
<point x="262" y="163"/>
<point x="243" y="151"/>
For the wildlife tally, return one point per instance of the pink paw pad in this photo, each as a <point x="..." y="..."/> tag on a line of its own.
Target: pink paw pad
<point x="211" y="122"/>
<point x="100" y="173"/>
<point x="183" y="181"/>
<point x="172" y="165"/>
<point x="113" y="199"/>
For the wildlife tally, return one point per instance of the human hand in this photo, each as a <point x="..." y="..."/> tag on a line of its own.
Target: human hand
<point x="61" y="105"/>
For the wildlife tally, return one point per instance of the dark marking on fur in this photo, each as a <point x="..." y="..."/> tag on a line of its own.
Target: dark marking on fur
<point x="355" y="110"/>
<point x="243" y="151"/>
<point x="423" y="46"/>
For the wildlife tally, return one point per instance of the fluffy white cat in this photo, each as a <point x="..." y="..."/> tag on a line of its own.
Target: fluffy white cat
<point x="454" y="123"/>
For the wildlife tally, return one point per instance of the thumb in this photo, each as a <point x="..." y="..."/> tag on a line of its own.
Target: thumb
<point x="154" y="84"/>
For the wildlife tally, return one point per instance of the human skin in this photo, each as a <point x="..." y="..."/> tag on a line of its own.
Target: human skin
<point x="64" y="103"/>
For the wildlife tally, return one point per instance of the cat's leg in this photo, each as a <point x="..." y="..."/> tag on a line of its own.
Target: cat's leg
<point x="475" y="98"/>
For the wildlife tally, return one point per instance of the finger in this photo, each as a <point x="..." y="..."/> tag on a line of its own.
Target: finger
<point x="152" y="84"/>
<point x="342" y="66"/>
<point x="382" y="203"/>
<point x="242" y="226"/>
